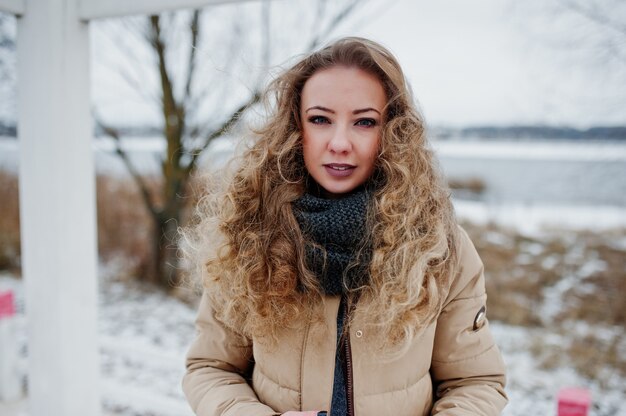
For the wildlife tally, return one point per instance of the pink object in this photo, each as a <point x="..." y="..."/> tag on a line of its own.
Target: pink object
<point x="574" y="401"/>
<point x="7" y="305"/>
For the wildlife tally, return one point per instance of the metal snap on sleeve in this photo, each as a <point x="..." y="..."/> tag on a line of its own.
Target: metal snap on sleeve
<point x="358" y="333"/>
<point x="480" y="318"/>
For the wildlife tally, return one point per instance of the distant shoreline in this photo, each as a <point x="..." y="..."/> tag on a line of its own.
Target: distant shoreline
<point x="478" y="132"/>
<point x="541" y="132"/>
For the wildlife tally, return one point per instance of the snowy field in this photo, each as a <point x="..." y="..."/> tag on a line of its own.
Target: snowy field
<point x="144" y="334"/>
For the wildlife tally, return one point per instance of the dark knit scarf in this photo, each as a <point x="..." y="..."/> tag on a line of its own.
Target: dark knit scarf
<point x="339" y="226"/>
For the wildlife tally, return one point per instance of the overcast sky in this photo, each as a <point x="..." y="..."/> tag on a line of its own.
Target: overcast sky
<point x="501" y="62"/>
<point x="470" y="62"/>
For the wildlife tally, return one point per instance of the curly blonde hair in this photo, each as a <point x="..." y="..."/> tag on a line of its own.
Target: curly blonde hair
<point x="250" y="248"/>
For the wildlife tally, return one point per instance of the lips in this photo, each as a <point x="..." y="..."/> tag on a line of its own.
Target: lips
<point x="339" y="169"/>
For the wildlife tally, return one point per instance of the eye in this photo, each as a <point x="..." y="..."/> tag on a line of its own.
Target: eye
<point x="319" y="120"/>
<point x="366" y="122"/>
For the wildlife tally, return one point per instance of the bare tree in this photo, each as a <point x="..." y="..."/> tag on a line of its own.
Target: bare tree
<point x="606" y="14"/>
<point x="209" y="71"/>
<point x="586" y="41"/>
<point x="606" y="26"/>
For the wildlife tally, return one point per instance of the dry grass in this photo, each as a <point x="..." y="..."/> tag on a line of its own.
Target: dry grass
<point x="601" y="297"/>
<point x="125" y="229"/>
<point x="124" y="226"/>
<point x="515" y="281"/>
<point x="520" y="270"/>
<point x="593" y="356"/>
<point x="475" y="185"/>
<point x="9" y="222"/>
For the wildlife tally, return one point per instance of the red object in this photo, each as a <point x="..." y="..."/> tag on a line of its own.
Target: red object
<point x="7" y="305"/>
<point x="574" y="401"/>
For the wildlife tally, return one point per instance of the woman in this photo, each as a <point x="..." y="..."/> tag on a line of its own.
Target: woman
<point x="336" y="278"/>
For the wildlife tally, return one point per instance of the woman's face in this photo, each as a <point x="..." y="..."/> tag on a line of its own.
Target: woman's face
<point x="342" y="113"/>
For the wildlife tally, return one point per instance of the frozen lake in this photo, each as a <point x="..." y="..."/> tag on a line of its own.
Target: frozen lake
<point x="540" y="172"/>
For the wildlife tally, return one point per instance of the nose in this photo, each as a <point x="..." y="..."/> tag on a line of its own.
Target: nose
<point x="340" y="141"/>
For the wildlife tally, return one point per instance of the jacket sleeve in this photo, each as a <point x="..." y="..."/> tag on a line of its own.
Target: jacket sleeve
<point x="216" y="363"/>
<point x="467" y="368"/>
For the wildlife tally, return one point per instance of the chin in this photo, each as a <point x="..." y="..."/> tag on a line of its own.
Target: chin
<point x="338" y="190"/>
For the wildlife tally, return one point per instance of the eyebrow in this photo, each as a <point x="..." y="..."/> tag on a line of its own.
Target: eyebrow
<point x="365" y="110"/>
<point x="359" y="111"/>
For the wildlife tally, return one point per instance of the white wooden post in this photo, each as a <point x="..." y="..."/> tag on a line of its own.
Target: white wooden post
<point x="57" y="209"/>
<point x="15" y="7"/>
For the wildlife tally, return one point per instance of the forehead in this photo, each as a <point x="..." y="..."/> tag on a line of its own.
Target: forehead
<point x="343" y="86"/>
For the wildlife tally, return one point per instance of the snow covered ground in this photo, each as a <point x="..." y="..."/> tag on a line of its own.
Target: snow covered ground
<point x="532" y="219"/>
<point x="144" y="334"/>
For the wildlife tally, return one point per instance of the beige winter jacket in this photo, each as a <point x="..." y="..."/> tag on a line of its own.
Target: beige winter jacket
<point x="452" y="368"/>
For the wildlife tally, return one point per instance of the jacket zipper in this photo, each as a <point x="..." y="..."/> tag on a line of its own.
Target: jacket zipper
<point x="349" y="381"/>
<point x="348" y="357"/>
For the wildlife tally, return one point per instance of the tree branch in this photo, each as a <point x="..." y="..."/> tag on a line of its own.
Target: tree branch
<point x="265" y="31"/>
<point x="319" y="16"/>
<point x="191" y="66"/>
<point x="143" y="188"/>
<point x="173" y="114"/>
<point x="130" y="73"/>
<point x="332" y="25"/>
<point x="594" y="16"/>
<point x="136" y="86"/>
<point x="234" y="117"/>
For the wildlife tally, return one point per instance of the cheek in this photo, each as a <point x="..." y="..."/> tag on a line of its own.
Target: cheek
<point x="371" y="155"/>
<point x="305" y="135"/>
<point x="370" y="151"/>
<point x="312" y="142"/>
<point x="306" y="145"/>
<point x="308" y="150"/>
